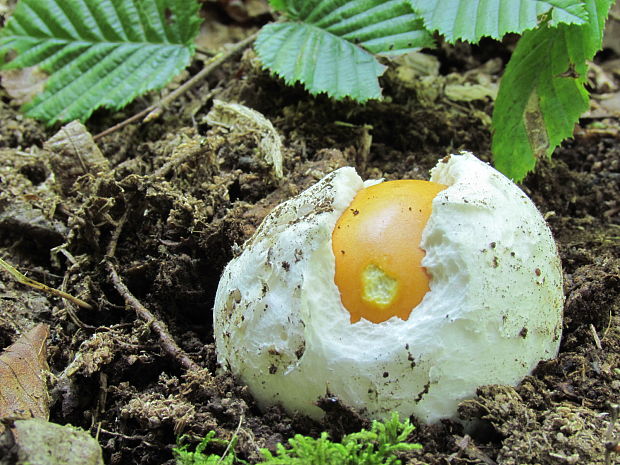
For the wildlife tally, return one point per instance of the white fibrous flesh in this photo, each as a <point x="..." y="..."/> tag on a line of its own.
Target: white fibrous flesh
<point x="493" y="311"/>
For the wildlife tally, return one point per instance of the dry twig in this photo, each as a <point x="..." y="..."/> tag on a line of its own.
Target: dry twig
<point x="19" y="277"/>
<point x="154" y="111"/>
<point x="168" y="344"/>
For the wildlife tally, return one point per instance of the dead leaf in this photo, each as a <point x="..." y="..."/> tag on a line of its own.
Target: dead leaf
<point x="23" y="388"/>
<point x="73" y="153"/>
<point x="604" y="106"/>
<point x="241" y="120"/>
<point x="24" y="84"/>
<point x="215" y="35"/>
<point x="470" y="92"/>
<point x="611" y="39"/>
<point x="256" y="8"/>
<point x="414" y="65"/>
<point x="535" y="127"/>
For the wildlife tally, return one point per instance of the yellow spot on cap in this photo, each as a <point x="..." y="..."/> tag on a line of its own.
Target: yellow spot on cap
<point x="379" y="288"/>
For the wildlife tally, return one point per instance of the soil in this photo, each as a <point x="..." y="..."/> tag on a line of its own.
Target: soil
<point x="166" y="203"/>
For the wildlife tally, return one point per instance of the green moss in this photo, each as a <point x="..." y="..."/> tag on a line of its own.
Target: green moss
<point x="375" y="447"/>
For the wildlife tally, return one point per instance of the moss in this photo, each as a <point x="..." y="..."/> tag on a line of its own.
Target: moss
<point x="376" y="446"/>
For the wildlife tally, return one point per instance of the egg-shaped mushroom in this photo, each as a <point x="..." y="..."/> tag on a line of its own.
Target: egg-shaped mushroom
<point x="286" y="326"/>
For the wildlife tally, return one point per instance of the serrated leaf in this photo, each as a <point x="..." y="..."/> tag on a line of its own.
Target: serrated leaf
<point x="297" y="53"/>
<point x="278" y="5"/>
<point x="98" y="53"/>
<point x="330" y="49"/>
<point x="542" y="93"/>
<point x="470" y="20"/>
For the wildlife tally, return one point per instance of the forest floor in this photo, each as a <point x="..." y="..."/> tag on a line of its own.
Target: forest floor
<point x="154" y="210"/>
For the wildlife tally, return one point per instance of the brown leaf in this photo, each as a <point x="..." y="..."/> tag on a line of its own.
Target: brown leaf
<point x="216" y="35"/>
<point x="23" y="389"/>
<point x="73" y="153"/>
<point x="611" y="39"/>
<point x="24" y="84"/>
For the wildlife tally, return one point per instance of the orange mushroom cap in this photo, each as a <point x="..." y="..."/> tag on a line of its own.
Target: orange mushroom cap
<point x="376" y="243"/>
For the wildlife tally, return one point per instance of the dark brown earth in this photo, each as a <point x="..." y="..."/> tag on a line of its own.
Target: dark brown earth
<point x="166" y="201"/>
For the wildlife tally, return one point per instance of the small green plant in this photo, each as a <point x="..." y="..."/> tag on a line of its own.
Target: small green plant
<point x="542" y="93"/>
<point x="104" y="53"/>
<point x="198" y="457"/>
<point x="331" y="47"/>
<point x="375" y="447"/>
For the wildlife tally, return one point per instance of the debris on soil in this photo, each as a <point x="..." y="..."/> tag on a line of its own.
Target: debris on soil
<point x="162" y="207"/>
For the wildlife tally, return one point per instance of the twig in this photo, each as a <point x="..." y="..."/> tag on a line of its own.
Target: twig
<point x="167" y="342"/>
<point x="42" y="287"/>
<point x="116" y="234"/>
<point x="597" y="340"/>
<point x="142" y="439"/>
<point x="154" y="110"/>
<point x="232" y="440"/>
<point x="69" y="309"/>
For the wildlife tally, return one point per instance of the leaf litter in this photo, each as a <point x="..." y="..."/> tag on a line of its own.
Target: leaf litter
<point x="181" y="195"/>
<point x="23" y="374"/>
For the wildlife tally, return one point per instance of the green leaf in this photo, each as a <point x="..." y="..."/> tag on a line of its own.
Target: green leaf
<point x="278" y="5"/>
<point x="542" y="93"/>
<point x="98" y="53"/>
<point x="470" y="20"/>
<point x="330" y="47"/>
